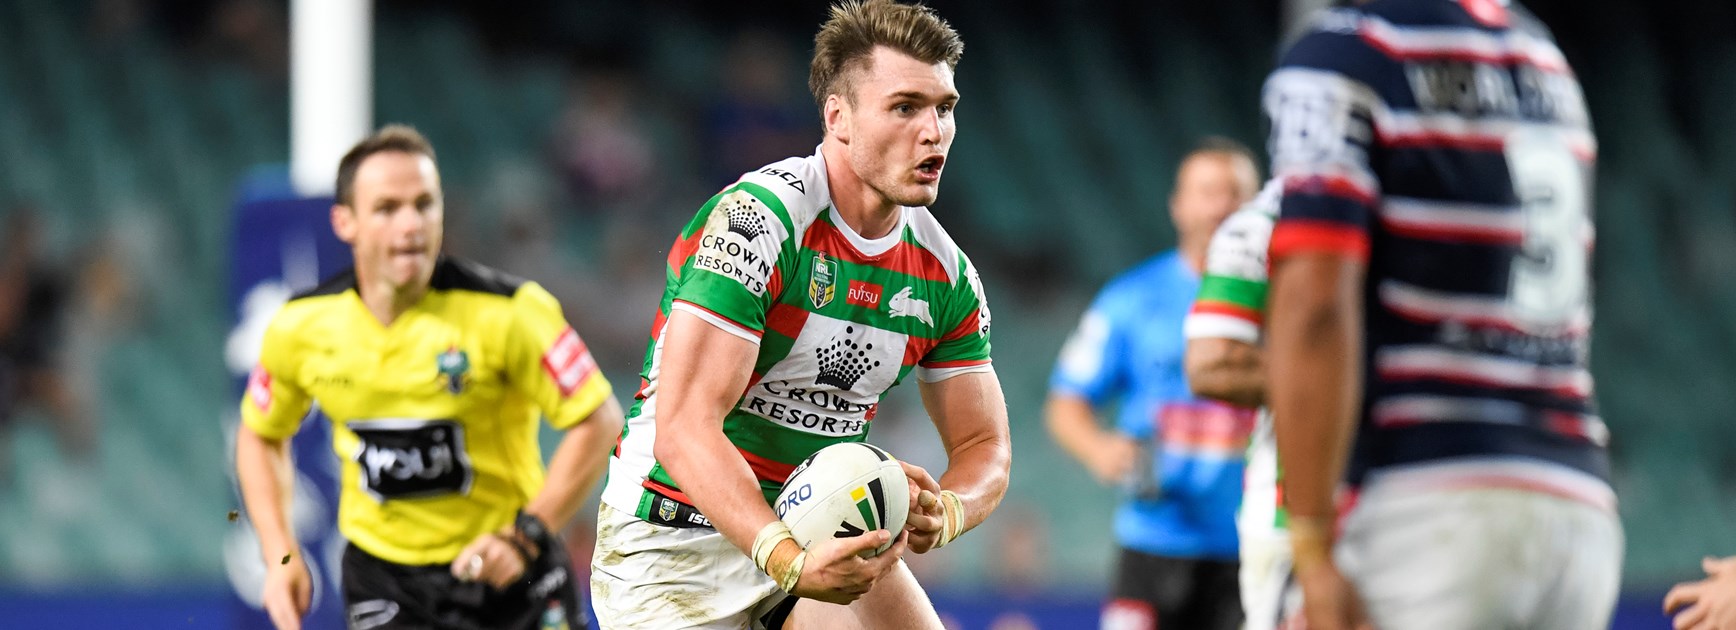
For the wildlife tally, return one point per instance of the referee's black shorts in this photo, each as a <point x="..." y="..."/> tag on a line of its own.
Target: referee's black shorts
<point x="1165" y="593"/>
<point x="380" y="595"/>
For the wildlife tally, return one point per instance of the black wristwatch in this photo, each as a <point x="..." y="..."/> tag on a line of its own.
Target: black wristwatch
<point x="532" y="529"/>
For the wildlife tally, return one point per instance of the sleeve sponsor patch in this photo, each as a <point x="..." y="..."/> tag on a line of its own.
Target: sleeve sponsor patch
<point x="568" y="361"/>
<point x="259" y="388"/>
<point x="1319" y="118"/>
<point x="740" y="241"/>
<point x="1238" y="249"/>
<point x="976" y="285"/>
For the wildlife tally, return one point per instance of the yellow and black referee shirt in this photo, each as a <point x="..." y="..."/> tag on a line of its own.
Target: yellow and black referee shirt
<point x="435" y="416"/>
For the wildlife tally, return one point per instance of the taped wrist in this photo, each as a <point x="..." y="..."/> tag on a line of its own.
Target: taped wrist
<point x="785" y="572"/>
<point x="1311" y="540"/>
<point x="951" y="518"/>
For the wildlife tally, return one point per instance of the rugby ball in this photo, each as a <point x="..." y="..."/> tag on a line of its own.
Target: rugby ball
<point x="844" y="490"/>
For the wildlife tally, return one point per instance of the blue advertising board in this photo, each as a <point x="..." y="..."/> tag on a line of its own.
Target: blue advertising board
<point x="281" y="245"/>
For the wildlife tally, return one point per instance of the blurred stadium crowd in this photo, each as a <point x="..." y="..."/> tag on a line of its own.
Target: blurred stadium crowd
<point x="575" y="137"/>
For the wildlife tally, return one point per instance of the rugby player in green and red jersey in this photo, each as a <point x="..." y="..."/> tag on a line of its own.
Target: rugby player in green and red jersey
<point x="795" y="299"/>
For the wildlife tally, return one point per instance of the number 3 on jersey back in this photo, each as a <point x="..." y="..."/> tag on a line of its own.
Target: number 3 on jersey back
<point x="1549" y="282"/>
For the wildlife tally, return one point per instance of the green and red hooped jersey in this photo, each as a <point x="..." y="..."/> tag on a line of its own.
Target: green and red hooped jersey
<point x="839" y="320"/>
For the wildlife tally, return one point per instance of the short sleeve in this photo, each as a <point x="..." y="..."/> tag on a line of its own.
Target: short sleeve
<point x="1324" y="120"/>
<point x="965" y="347"/>
<point x="549" y="363"/>
<point x="1092" y="362"/>
<point x="730" y="261"/>
<point x="1232" y="300"/>
<point x="275" y="404"/>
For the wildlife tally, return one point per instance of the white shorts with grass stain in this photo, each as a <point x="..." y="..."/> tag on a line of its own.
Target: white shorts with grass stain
<point x="646" y="576"/>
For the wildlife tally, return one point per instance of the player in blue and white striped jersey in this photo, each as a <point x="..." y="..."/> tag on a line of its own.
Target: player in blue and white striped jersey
<point x="1429" y="297"/>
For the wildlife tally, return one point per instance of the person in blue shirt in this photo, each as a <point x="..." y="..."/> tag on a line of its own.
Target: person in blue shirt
<point x="1177" y="458"/>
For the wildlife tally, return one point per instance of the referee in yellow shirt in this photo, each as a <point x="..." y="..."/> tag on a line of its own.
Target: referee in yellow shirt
<point x="433" y="371"/>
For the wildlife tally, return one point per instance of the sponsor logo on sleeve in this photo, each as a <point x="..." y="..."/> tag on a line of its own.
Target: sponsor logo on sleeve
<point x="259" y="388"/>
<point x="745" y="220"/>
<point x="1238" y="249"/>
<point x="731" y="245"/>
<point x="568" y="362"/>
<point x="902" y="305"/>
<point x="976" y="285"/>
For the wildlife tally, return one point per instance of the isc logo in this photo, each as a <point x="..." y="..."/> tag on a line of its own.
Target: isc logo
<point x="794" y="499"/>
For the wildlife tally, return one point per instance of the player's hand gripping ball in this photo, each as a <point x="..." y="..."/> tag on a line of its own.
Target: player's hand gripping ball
<point x="845" y="490"/>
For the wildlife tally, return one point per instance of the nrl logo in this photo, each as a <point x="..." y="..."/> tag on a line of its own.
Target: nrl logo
<point x="666" y="510"/>
<point x="453" y="364"/>
<point x="902" y="305"/>
<point x="822" y="283"/>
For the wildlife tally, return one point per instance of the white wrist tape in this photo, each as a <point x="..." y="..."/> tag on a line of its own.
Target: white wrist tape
<point x="767" y="540"/>
<point x="951" y="518"/>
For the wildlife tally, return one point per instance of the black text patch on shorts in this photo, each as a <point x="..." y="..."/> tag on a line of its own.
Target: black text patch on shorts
<point x="405" y="458"/>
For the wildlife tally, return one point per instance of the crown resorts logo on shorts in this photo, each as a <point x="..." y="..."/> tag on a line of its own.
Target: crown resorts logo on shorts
<point x="822" y="283"/>
<point x="453" y="364"/>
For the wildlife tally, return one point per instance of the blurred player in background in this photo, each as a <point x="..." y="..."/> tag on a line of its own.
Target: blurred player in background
<point x="1224" y="362"/>
<point x="1429" y="296"/>
<point x="433" y="371"/>
<point x="796" y="298"/>
<point x="1178" y="457"/>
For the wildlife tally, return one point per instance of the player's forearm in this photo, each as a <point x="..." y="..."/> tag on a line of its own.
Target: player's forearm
<point x="978" y="473"/>
<point x="970" y="412"/>
<point x="1227" y="371"/>
<point x="267" y="480"/>
<point x="1073" y="425"/>
<point x="1242" y="387"/>
<point x="579" y="461"/>
<point x="704" y="373"/>
<point x="706" y="466"/>
<point x="1315" y="353"/>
